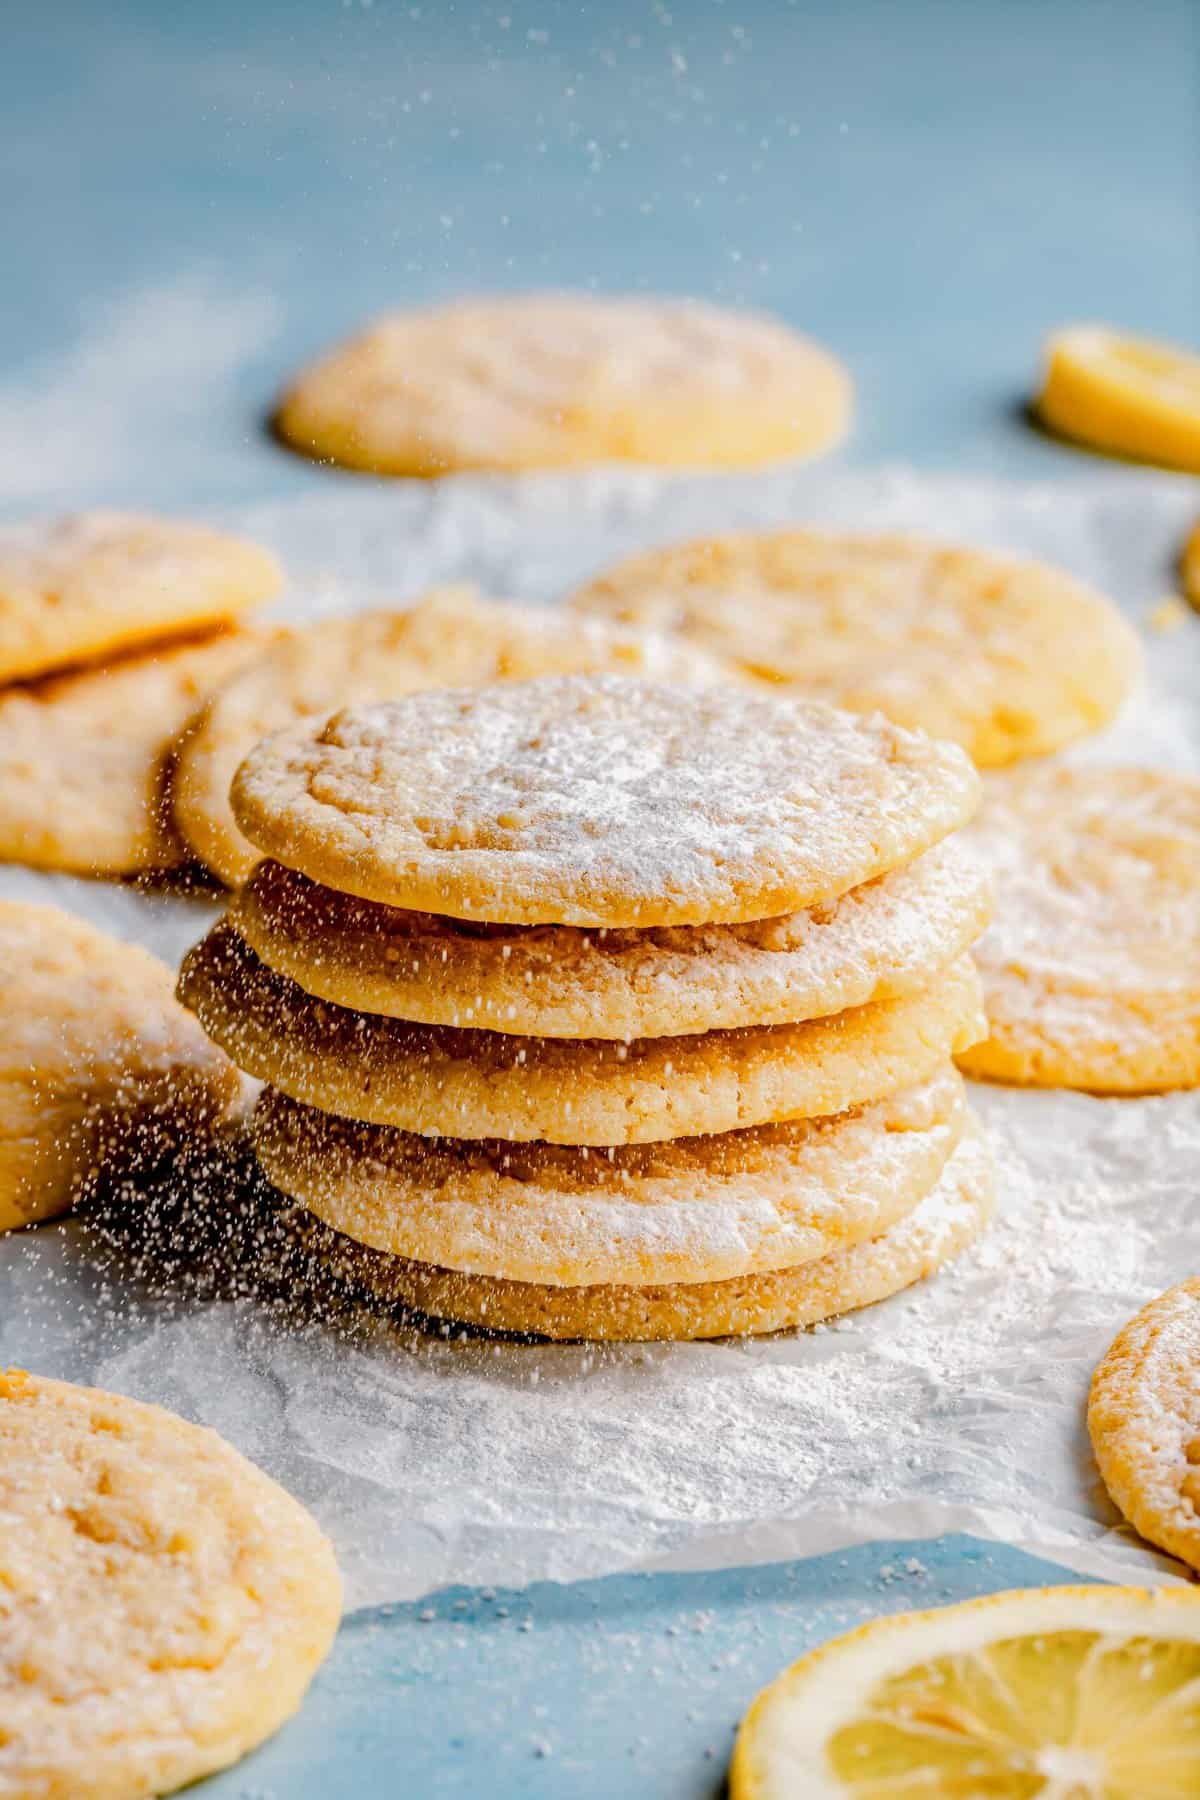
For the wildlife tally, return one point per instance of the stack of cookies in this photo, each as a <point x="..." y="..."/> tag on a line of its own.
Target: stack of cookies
<point x="597" y="1008"/>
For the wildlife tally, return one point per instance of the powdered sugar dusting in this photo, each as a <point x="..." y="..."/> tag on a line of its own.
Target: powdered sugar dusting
<point x="957" y="1407"/>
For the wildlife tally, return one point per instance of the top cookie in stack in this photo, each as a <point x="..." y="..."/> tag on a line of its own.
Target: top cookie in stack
<point x="598" y="1008"/>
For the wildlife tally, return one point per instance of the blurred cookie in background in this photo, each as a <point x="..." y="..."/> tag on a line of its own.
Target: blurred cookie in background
<point x="563" y="380"/>
<point x="1007" y="658"/>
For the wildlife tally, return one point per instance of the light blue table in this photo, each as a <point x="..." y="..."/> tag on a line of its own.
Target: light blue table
<point x="196" y="196"/>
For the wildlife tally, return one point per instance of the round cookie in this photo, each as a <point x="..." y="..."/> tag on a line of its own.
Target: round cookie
<point x="96" y="1056"/>
<point x="594" y="801"/>
<point x="1006" y="658"/>
<point x="1144" y="1421"/>
<point x="1091" y="969"/>
<point x="951" y="1216"/>
<point x="442" y="1082"/>
<point x="881" y="940"/>
<point x="165" y="1603"/>
<point x="695" y="1209"/>
<point x="558" y="380"/>
<point x="85" y="758"/>
<point x="90" y="584"/>
<point x="449" y="638"/>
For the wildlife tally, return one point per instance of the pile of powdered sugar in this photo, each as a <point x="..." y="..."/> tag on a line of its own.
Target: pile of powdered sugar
<point x="957" y="1406"/>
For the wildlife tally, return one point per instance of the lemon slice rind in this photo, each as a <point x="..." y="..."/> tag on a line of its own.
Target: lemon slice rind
<point x="782" y="1747"/>
<point x="1125" y="395"/>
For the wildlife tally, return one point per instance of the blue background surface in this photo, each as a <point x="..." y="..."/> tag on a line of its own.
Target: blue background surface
<point x="632" y="1685"/>
<point x="195" y="196"/>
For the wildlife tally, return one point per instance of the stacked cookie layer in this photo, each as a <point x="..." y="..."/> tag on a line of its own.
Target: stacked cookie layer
<point x="597" y="1008"/>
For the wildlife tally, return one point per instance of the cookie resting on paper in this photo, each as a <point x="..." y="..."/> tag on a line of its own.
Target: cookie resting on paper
<point x="97" y="1058"/>
<point x="93" y="584"/>
<point x="1006" y="658"/>
<point x="165" y="1603"/>
<point x="1091" y="968"/>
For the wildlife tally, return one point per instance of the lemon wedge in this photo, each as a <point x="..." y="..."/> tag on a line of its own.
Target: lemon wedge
<point x="1072" y="1693"/>
<point x="1127" y="395"/>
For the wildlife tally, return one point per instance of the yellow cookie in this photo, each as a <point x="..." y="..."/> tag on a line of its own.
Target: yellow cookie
<point x="165" y="1604"/>
<point x="696" y="1209"/>
<point x="450" y="638"/>
<point x="443" y="1082"/>
<point x="874" y="943"/>
<point x="1144" y="1420"/>
<point x="1091" y="969"/>
<point x="85" y="758"/>
<point x="950" y="1217"/>
<point x="557" y="380"/>
<point x="594" y="801"/>
<point x="96" y="1055"/>
<point x="84" y="586"/>
<point x="1006" y="658"/>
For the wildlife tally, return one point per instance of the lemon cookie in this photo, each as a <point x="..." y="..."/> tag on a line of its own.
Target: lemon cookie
<point x="594" y="801"/>
<point x="1006" y="658"/>
<point x="1067" y="1693"/>
<point x="949" y="1218"/>
<point x="1144" y="1420"/>
<point x="557" y="380"/>
<point x="696" y="1209"/>
<point x="76" y="588"/>
<point x="94" y="1052"/>
<point x="876" y="942"/>
<point x="85" y="758"/>
<point x="165" y="1603"/>
<point x="450" y="638"/>
<point x="444" y="1082"/>
<point x="1091" y="969"/>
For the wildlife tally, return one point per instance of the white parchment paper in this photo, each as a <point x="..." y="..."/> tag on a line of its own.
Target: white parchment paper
<point x="959" y="1406"/>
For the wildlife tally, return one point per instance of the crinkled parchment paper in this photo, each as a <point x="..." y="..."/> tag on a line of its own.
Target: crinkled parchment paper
<point x="959" y="1406"/>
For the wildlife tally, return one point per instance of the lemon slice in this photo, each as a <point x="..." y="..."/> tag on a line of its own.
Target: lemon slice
<point x="1072" y="1693"/>
<point x="1189" y="567"/>
<point x="1127" y="395"/>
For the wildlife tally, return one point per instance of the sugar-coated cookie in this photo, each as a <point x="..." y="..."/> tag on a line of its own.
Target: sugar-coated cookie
<point x="556" y="380"/>
<point x="951" y="1216"/>
<point x="165" y="1604"/>
<point x="451" y="637"/>
<point x="96" y="1057"/>
<point x="874" y="943"/>
<point x="1091" y="967"/>
<point x="91" y="584"/>
<point x="86" y="758"/>
<point x="596" y="801"/>
<point x="1006" y="658"/>
<point x="1144" y="1420"/>
<point x="437" y="1080"/>
<point x="695" y="1209"/>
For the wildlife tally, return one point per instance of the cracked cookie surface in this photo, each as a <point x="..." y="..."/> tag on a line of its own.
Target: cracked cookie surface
<point x="165" y="1603"/>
